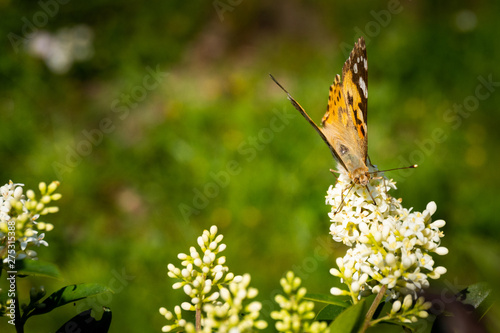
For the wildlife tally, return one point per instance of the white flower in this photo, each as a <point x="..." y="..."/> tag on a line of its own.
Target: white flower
<point x="236" y="314"/>
<point x="296" y="314"/>
<point x="61" y="49"/>
<point x="224" y="297"/>
<point x="389" y="244"/>
<point x="19" y="215"/>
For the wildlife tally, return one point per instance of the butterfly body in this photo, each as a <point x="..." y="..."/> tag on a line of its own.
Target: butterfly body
<point x="344" y="125"/>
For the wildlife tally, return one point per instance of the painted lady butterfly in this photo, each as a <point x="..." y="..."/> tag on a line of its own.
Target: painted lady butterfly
<point x="344" y="127"/>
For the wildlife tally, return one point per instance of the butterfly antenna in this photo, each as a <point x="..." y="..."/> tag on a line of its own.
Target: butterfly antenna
<point x="375" y="172"/>
<point x="408" y="167"/>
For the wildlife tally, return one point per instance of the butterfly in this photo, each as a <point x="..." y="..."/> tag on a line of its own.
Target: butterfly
<point x="344" y="125"/>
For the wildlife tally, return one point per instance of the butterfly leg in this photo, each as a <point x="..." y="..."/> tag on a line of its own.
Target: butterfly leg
<point x="342" y="202"/>
<point x="341" y="193"/>
<point x="371" y="196"/>
<point x="333" y="173"/>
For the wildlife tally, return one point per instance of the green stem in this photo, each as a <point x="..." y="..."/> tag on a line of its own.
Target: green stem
<point x="378" y="320"/>
<point x="373" y="308"/>
<point x="353" y="298"/>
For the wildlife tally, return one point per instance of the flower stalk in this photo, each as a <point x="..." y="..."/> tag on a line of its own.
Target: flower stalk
<point x="373" y="308"/>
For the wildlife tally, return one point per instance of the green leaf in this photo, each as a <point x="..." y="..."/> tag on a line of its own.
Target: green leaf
<point x="466" y="311"/>
<point x="327" y="299"/>
<point x="350" y="320"/>
<point x="85" y="323"/>
<point x="70" y="294"/>
<point x="475" y="294"/>
<point x="31" y="267"/>
<point x="329" y="313"/>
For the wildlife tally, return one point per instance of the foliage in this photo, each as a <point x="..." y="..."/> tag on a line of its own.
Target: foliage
<point x="19" y="227"/>
<point x="214" y="108"/>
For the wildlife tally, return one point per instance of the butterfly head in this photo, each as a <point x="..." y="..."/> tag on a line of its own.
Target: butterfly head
<point x="360" y="176"/>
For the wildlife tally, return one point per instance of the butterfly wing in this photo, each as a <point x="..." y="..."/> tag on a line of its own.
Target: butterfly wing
<point x="344" y="127"/>
<point x="344" y="124"/>
<point x="305" y="115"/>
<point x="355" y="88"/>
<point x="337" y="125"/>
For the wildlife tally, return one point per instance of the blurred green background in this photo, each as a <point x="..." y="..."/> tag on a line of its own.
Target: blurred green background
<point x="133" y="153"/>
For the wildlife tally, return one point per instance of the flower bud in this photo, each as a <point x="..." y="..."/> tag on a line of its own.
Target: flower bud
<point x="336" y="291"/>
<point x="396" y="306"/>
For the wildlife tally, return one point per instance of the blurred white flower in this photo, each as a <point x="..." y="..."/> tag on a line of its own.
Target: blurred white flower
<point x="62" y="49"/>
<point x="296" y="314"/>
<point x="236" y="314"/>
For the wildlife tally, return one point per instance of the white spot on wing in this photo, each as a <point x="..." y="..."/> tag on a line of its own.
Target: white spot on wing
<point x="355" y="68"/>
<point x="366" y="64"/>
<point x="362" y="85"/>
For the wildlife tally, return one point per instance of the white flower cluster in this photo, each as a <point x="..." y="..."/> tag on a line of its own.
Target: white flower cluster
<point x="234" y="315"/>
<point x="202" y="274"/>
<point x="409" y="310"/>
<point x="8" y="192"/>
<point x="214" y="289"/>
<point x="296" y="314"/>
<point x="19" y="213"/>
<point x="389" y="245"/>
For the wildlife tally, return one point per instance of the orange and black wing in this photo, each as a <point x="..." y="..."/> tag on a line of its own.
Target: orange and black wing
<point x="355" y="89"/>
